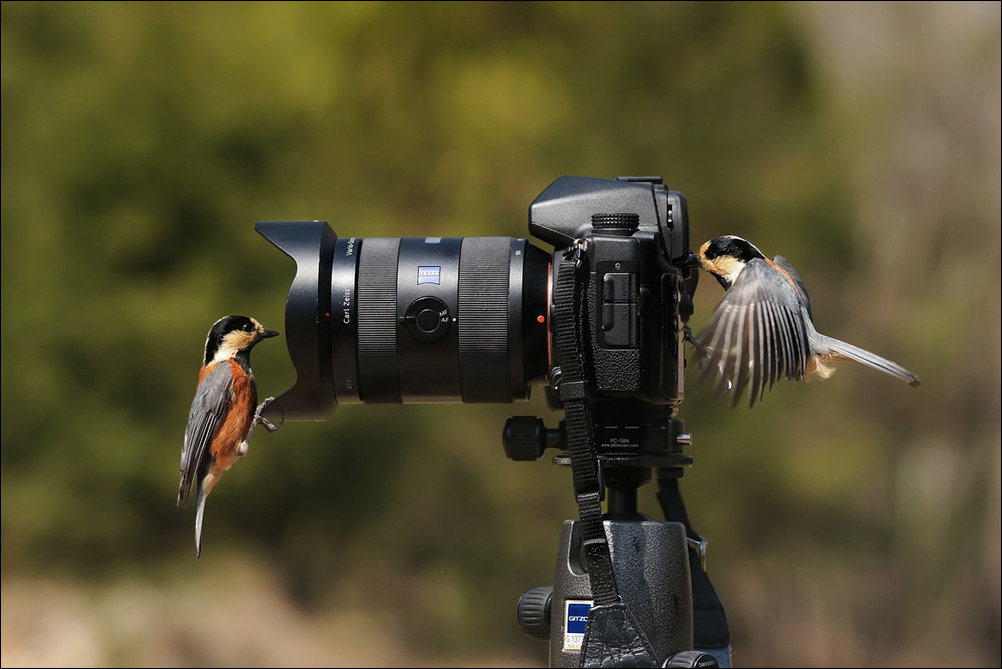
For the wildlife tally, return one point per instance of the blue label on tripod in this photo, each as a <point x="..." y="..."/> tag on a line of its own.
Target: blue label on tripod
<point x="575" y="623"/>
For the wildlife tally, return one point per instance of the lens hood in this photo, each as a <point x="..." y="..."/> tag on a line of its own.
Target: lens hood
<point x="307" y="319"/>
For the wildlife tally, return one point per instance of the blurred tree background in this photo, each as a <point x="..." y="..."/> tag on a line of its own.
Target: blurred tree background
<point x="855" y="522"/>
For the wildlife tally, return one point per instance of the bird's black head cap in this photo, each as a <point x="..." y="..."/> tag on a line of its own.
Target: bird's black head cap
<point x="228" y="324"/>
<point x="250" y="329"/>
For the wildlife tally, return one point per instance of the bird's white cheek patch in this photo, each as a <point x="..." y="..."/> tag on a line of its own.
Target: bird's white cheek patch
<point x="729" y="268"/>
<point x="232" y="344"/>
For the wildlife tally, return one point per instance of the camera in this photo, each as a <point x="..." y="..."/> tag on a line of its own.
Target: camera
<point x="470" y="319"/>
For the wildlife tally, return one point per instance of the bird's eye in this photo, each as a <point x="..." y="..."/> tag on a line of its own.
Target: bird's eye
<point x="249" y="327"/>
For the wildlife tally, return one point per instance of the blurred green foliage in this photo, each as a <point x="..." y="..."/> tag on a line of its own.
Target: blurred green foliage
<point x="141" y="141"/>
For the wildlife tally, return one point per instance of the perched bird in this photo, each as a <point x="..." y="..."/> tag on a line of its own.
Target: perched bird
<point x="763" y="329"/>
<point x="223" y="415"/>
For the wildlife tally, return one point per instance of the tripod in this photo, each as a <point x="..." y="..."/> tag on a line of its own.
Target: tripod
<point x="658" y="565"/>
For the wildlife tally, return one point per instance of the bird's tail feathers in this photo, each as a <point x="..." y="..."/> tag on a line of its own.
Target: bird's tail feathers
<point x="841" y="349"/>
<point x="200" y="510"/>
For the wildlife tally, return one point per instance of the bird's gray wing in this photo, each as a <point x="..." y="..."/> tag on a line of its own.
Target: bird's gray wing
<point x="207" y="411"/>
<point x="756" y="336"/>
<point x="805" y="299"/>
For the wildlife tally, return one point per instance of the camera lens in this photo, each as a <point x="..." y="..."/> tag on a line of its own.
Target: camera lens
<point x="437" y="319"/>
<point x="408" y="319"/>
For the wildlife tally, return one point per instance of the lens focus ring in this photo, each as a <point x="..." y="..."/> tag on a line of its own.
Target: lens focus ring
<point x="377" y="322"/>
<point x="483" y="324"/>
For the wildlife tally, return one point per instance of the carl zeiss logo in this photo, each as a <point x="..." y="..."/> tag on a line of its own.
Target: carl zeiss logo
<point x="576" y="619"/>
<point x="429" y="274"/>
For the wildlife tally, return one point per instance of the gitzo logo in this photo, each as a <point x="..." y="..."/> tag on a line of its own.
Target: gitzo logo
<point x="575" y="623"/>
<point x="429" y="274"/>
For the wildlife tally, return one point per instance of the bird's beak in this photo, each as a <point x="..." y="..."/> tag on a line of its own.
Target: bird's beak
<point x="269" y="333"/>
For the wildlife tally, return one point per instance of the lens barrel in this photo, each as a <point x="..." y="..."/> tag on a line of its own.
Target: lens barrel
<point x="410" y="319"/>
<point x="438" y="319"/>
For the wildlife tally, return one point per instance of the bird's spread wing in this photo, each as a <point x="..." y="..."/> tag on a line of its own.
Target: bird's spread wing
<point x="207" y="410"/>
<point x="757" y="335"/>
<point x="785" y="265"/>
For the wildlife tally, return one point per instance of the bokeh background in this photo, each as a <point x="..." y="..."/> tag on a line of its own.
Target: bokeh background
<point x="854" y="522"/>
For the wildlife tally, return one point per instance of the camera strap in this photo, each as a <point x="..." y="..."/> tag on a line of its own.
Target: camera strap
<point x="612" y="636"/>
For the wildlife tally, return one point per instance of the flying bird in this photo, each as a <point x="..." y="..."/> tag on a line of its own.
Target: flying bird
<point x="223" y="414"/>
<point x="762" y="330"/>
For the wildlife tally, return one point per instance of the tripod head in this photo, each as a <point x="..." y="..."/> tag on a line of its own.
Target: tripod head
<point x="634" y="442"/>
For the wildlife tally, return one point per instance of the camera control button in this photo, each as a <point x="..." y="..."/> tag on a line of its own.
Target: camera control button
<point x="427" y="319"/>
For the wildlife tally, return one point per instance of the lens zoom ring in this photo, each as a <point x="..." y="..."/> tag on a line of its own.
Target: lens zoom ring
<point x="377" y="320"/>
<point x="483" y="319"/>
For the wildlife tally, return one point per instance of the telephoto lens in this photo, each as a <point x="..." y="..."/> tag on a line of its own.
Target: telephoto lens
<point x="410" y="319"/>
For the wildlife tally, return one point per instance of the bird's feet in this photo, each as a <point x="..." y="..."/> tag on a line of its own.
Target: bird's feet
<point x="260" y="419"/>
<point x="689" y="337"/>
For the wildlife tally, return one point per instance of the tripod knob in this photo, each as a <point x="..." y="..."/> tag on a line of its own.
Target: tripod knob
<point x="524" y="438"/>
<point x="534" y="611"/>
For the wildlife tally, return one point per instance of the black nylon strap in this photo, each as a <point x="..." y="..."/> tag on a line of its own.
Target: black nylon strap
<point x="568" y="305"/>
